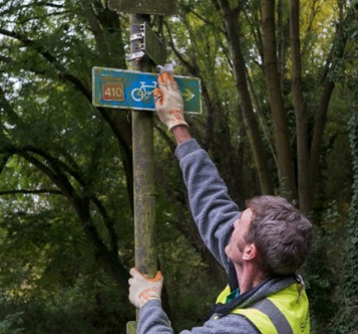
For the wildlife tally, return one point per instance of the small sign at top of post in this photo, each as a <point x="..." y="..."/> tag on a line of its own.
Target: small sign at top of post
<point x="154" y="7"/>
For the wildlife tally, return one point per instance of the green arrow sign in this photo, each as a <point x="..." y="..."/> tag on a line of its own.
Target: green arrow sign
<point x="123" y="89"/>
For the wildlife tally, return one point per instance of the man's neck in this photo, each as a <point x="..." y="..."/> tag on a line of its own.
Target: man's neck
<point x="248" y="277"/>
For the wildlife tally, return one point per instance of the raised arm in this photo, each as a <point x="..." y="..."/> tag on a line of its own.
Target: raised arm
<point x="213" y="210"/>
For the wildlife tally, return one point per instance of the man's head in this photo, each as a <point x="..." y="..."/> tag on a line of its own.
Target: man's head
<point x="282" y="235"/>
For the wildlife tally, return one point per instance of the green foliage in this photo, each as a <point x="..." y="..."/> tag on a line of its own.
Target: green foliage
<point x="66" y="226"/>
<point x="347" y="320"/>
<point x="343" y="237"/>
<point x="11" y="324"/>
<point x="61" y="177"/>
<point x="321" y="272"/>
<point x="89" y="305"/>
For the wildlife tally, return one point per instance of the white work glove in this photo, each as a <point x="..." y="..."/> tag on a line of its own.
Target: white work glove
<point x="142" y="288"/>
<point x="169" y="102"/>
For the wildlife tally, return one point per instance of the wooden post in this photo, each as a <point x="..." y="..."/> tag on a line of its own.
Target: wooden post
<point x="142" y="129"/>
<point x="143" y="173"/>
<point x="143" y="166"/>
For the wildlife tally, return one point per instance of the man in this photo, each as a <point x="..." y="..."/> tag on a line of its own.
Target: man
<point x="260" y="248"/>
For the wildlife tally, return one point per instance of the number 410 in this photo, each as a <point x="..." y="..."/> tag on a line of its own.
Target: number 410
<point x="112" y="92"/>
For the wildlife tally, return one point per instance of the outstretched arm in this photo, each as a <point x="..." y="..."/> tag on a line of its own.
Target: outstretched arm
<point x="213" y="210"/>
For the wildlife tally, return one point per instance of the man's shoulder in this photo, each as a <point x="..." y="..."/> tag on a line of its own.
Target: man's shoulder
<point x="266" y="288"/>
<point x="269" y="287"/>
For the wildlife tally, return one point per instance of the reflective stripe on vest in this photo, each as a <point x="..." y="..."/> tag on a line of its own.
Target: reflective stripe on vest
<point x="284" y="312"/>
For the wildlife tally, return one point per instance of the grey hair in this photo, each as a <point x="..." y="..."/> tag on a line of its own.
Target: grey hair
<point x="281" y="233"/>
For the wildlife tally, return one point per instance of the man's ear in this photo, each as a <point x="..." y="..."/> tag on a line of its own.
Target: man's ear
<point x="250" y="252"/>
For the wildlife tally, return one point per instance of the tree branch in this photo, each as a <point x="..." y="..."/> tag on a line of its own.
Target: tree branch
<point x="29" y="192"/>
<point x="61" y="181"/>
<point x="39" y="4"/>
<point x="242" y="4"/>
<point x="55" y="163"/>
<point x="61" y="72"/>
<point x="95" y="27"/>
<point x="200" y="17"/>
<point x="47" y="15"/>
<point x="336" y="53"/>
<point x="5" y="59"/>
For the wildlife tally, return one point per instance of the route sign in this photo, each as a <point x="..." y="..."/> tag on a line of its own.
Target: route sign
<point x="155" y="7"/>
<point x="113" y="88"/>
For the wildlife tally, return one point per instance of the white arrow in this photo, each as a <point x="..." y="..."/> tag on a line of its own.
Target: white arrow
<point x="188" y="95"/>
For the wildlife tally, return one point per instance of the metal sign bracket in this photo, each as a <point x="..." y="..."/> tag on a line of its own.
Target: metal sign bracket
<point x="135" y="37"/>
<point x="137" y="55"/>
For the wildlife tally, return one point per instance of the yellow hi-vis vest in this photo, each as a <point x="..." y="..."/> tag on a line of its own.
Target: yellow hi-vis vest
<point x="285" y="312"/>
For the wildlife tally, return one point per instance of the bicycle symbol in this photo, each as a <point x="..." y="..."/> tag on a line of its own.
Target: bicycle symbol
<point x="143" y="92"/>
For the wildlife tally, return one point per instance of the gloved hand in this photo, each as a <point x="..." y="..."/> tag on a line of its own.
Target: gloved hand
<point x="169" y="102"/>
<point x="142" y="288"/>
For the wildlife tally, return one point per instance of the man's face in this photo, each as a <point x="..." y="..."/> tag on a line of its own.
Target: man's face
<point x="234" y="250"/>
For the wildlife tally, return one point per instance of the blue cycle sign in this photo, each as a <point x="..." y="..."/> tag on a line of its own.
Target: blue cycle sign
<point x="123" y="89"/>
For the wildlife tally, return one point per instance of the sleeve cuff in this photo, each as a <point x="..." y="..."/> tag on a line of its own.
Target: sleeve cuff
<point x="186" y="148"/>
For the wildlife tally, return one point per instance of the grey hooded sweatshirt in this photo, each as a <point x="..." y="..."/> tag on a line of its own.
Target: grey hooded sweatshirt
<point x="214" y="213"/>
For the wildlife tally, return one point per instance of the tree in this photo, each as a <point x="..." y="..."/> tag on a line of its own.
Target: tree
<point x="274" y="75"/>
<point x="55" y="144"/>
<point x="42" y="59"/>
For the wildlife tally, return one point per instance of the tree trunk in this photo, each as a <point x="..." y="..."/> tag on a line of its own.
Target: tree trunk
<point x="321" y="118"/>
<point x="281" y="43"/>
<point x="252" y="128"/>
<point x="320" y="123"/>
<point x="300" y="109"/>
<point x="284" y="157"/>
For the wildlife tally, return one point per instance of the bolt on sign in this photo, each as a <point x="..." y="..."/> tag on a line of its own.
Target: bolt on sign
<point x="113" y="88"/>
<point x="154" y="7"/>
